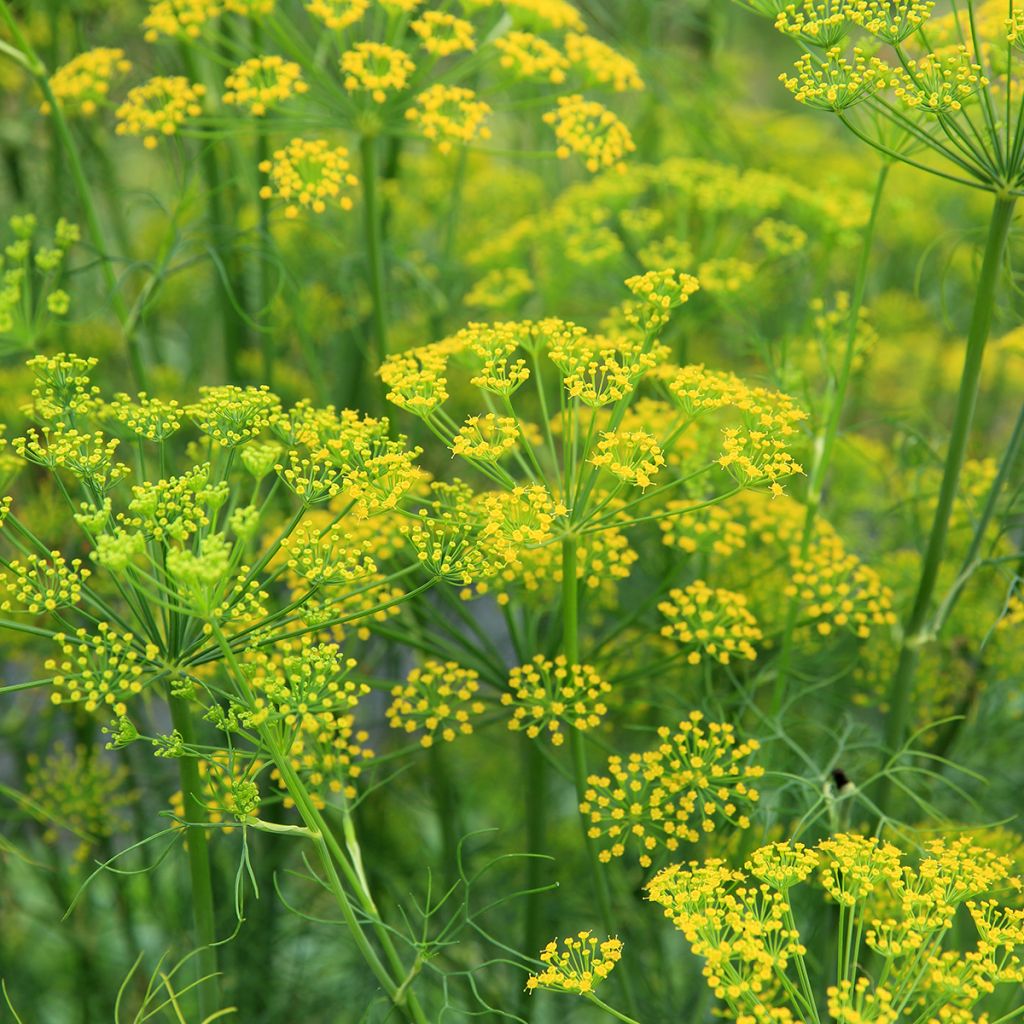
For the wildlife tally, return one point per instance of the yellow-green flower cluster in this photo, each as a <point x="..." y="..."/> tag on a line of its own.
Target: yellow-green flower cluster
<point x="82" y="85"/>
<point x="227" y="788"/>
<point x="592" y="131"/>
<point x="546" y="696"/>
<point x="150" y="419"/>
<point x="309" y="174"/>
<point x="755" y="959"/>
<point x="449" y="114"/>
<point x="231" y="416"/>
<point x="672" y="793"/>
<point x="40" y="585"/>
<point x="377" y="69"/>
<point x="579" y="966"/>
<point x="438" y="701"/>
<point x="710" y="622"/>
<point x="261" y="83"/>
<point x="80" y="791"/>
<point x="101" y="670"/>
<point x="633" y="456"/>
<point x="159" y="107"/>
<point x="442" y="34"/>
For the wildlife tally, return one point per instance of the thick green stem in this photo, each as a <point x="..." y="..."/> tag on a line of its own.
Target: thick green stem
<point x="824" y="443"/>
<point x="373" y="228"/>
<point x="198" y="861"/>
<point x="571" y="650"/>
<point x="916" y="630"/>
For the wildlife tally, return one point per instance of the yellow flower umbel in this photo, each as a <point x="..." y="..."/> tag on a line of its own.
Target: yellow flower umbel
<point x="531" y="57"/>
<point x="438" y="701"/>
<point x="449" y="114"/>
<point x="672" y="793"/>
<point x="82" y="85"/>
<point x="228" y="790"/>
<point x="79" y="791"/>
<point x="178" y="18"/>
<point x="592" y="131"/>
<point x="940" y="82"/>
<point x="337" y="15"/>
<point x="633" y="456"/>
<point x="309" y="174"/>
<point x="835" y="82"/>
<point x="377" y="69"/>
<point x="159" y="107"/>
<point x="710" y="623"/>
<point x="547" y="695"/>
<point x="890" y="22"/>
<point x="261" y="83"/>
<point x="486" y="437"/>
<point x="602" y="63"/>
<point x="442" y="34"/>
<point x="818" y="22"/>
<point x="900" y="966"/>
<point x="41" y="585"/>
<point x="101" y="670"/>
<point x="578" y="967"/>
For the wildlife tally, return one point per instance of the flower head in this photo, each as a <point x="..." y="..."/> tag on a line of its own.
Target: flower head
<point x="261" y="83"/>
<point x="579" y="966"/>
<point x="547" y="695"/>
<point x="449" y="114"/>
<point x="711" y="623"/>
<point x="592" y="131"/>
<point x="83" y="84"/>
<point x="377" y="69"/>
<point x="309" y="174"/>
<point x="438" y="700"/>
<point x="159" y="107"/>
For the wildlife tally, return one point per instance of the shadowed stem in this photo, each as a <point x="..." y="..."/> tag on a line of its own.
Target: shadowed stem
<point x="917" y="630"/>
<point x="198" y="861"/>
<point x="825" y="441"/>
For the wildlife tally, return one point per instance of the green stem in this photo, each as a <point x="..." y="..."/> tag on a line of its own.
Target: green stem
<point x="198" y="861"/>
<point x="536" y="799"/>
<point x="374" y="230"/>
<point x="610" y="1010"/>
<point x="824" y="443"/>
<point x="571" y="650"/>
<point x="915" y="633"/>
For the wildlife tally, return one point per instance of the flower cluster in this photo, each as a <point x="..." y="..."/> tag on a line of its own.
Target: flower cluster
<point x="82" y="85"/>
<point x="545" y="696"/>
<point x="309" y="174"/>
<point x="159" y="107"/>
<point x="673" y="792"/>
<point x="592" y="131"/>
<point x="579" y="966"/>
<point x="710" y="622"/>
<point x="260" y="83"/>
<point x="756" y="961"/>
<point x="438" y="700"/>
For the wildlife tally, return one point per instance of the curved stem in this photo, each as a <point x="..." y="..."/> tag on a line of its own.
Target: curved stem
<point x="915" y="634"/>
